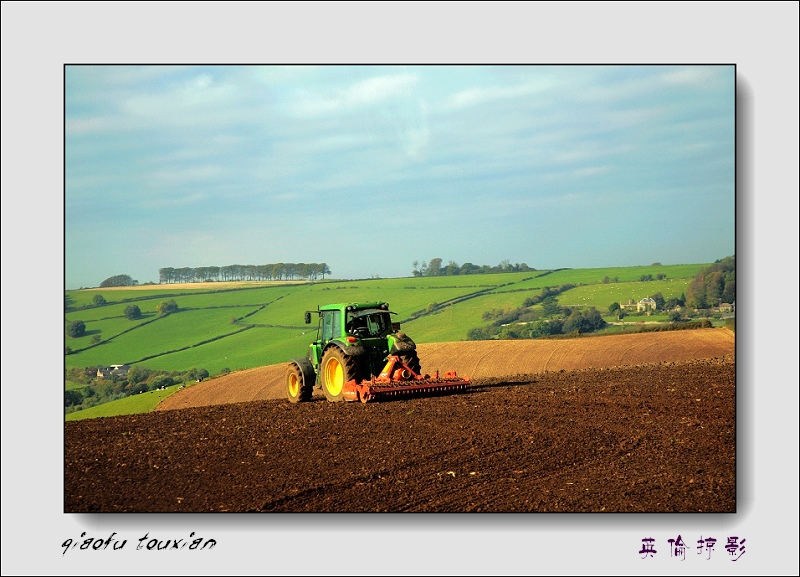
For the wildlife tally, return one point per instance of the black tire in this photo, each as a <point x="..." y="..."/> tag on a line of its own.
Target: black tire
<point x="298" y="390"/>
<point x="411" y="359"/>
<point x="335" y="370"/>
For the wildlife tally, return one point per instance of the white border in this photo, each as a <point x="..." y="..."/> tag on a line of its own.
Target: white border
<point x="38" y="38"/>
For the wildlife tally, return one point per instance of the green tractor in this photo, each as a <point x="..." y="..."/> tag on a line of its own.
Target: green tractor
<point x="360" y="354"/>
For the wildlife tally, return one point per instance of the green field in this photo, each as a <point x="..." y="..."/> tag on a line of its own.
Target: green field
<point x="133" y="405"/>
<point x="254" y="325"/>
<point x="602" y="295"/>
<point x="226" y="327"/>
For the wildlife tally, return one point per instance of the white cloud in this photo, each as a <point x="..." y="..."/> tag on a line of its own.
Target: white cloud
<point x="692" y="75"/>
<point x="698" y="147"/>
<point x="591" y="171"/>
<point x="172" y="201"/>
<point x="416" y="139"/>
<point x="173" y="176"/>
<point x="195" y="95"/>
<point x="88" y="125"/>
<point x="364" y="93"/>
<point x="481" y="95"/>
<point x="379" y="89"/>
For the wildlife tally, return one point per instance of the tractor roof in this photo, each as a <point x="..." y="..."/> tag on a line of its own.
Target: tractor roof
<point x="376" y="305"/>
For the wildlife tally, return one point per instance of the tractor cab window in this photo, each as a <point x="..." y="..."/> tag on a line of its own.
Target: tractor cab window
<point x="378" y="323"/>
<point x="369" y="324"/>
<point x="330" y="320"/>
<point x="356" y="323"/>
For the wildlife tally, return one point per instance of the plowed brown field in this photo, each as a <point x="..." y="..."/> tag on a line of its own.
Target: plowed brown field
<point x="480" y="359"/>
<point x="635" y="423"/>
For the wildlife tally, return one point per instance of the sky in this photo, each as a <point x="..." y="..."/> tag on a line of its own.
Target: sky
<point x="369" y="168"/>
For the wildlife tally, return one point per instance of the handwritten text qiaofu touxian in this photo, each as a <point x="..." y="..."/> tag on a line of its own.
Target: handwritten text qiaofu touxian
<point x="146" y="543"/>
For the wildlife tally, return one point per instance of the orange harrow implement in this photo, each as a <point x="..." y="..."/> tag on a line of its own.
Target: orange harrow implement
<point x="398" y="379"/>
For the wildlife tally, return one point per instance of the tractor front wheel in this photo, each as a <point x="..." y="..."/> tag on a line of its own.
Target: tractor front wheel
<point x="336" y="369"/>
<point x="297" y="390"/>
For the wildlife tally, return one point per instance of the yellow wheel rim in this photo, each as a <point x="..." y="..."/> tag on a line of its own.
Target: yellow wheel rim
<point x="334" y="377"/>
<point x="294" y="385"/>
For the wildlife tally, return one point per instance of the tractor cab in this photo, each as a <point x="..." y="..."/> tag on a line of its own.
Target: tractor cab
<point x="369" y="323"/>
<point x="361" y="320"/>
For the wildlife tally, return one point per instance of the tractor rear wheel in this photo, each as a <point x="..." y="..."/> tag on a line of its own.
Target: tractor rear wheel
<point x="297" y="390"/>
<point x="335" y="370"/>
<point x="411" y="360"/>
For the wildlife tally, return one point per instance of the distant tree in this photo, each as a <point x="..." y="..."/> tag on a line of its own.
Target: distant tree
<point x="133" y="312"/>
<point x="119" y="280"/>
<point x="167" y="307"/>
<point x="435" y="267"/>
<point x="659" y="298"/>
<point x="76" y="329"/>
<point x="697" y="293"/>
<point x="96" y="339"/>
<point x="139" y="374"/>
<point x="594" y="320"/>
<point x="573" y="323"/>
<point x="674" y="316"/>
<point x="166" y="275"/>
<point x="197" y="374"/>
<point x="550" y="306"/>
<point x="540" y="329"/>
<point x="161" y="380"/>
<point x="469" y="268"/>
<point x="613" y="308"/>
<point x="556" y="326"/>
<point x="479" y="334"/>
<point x="72" y="397"/>
<point x="646" y="277"/>
<point x="98" y="299"/>
<point x="583" y="322"/>
<point x="452" y="268"/>
<point x="729" y="293"/>
<point x="656" y="264"/>
<point x="713" y="285"/>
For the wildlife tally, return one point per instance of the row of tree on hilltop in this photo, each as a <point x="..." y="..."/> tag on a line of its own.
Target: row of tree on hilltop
<point x="435" y="267"/>
<point x="246" y="272"/>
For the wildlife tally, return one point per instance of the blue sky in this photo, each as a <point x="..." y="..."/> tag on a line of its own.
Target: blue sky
<point x="369" y="168"/>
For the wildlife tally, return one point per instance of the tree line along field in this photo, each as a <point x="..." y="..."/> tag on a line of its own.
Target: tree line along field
<point x="225" y="326"/>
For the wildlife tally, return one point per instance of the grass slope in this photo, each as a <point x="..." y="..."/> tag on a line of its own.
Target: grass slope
<point x="255" y="324"/>
<point x="133" y="405"/>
